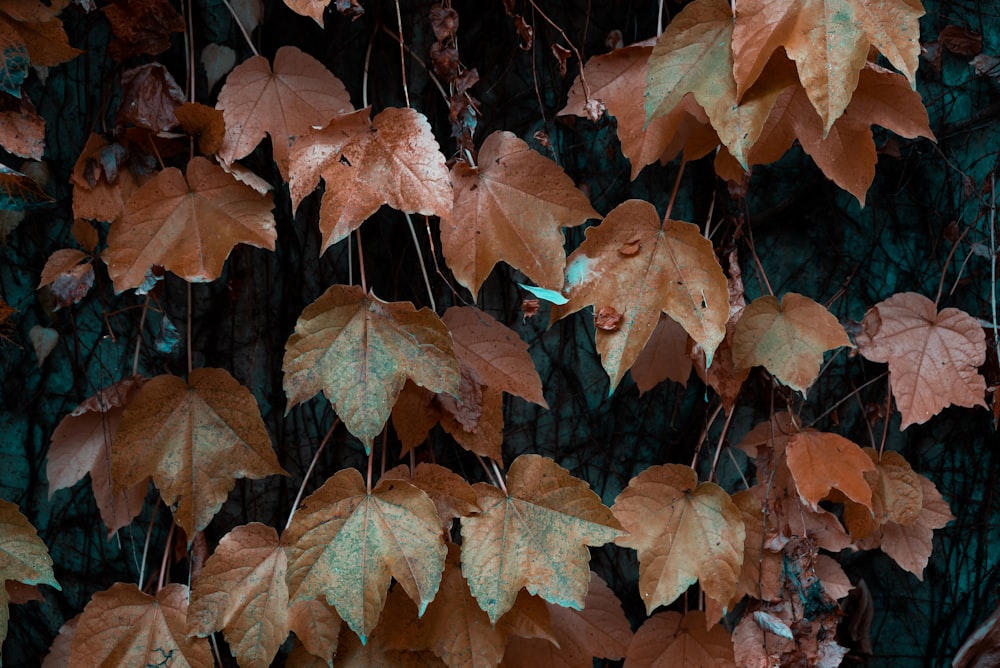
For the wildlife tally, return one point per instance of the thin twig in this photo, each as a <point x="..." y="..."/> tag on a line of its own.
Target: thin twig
<point x="420" y="257"/>
<point x="239" y="24"/>
<point x="947" y="261"/>
<point x="312" y="465"/>
<point x="189" y="353"/>
<point x="361" y="262"/>
<point x="579" y="58"/>
<point x="419" y="61"/>
<point x="496" y="469"/>
<point x="145" y="547"/>
<point x="402" y="54"/>
<point x="673" y="193"/>
<point x="161" y="581"/>
<point x="718" y="448"/>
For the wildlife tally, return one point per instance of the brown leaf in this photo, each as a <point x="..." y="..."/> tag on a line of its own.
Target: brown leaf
<point x="684" y="532"/>
<point x="188" y="224"/>
<point x="123" y="626"/>
<point x="70" y="274"/>
<point x="835" y="582"/>
<point x="414" y="414"/>
<point x="345" y="543"/>
<point x="495" y="352"/>
<point x="101" y="186"/>
<point x="511" y="208"/>
<point x="59" y="650"/>
<point x="81" y="444"/>
<point x="663" y="357"/>
<point x="820" y="462"/>
<point x="193" y="439"/>
<point x="961" y="41"/>
<point x="982" y="648"/>
<point x="675" y="272"/>
<point x="242" y="591"/>
<point x="761" y="573"/>
<point x="787" y="338"/>
<point x="32" y="26"/>
<point x="932" y="356"/>
<point x="203" y="122"/>
<point x="724" y="376"/>
<point x="286" y="102"/>
<point x="22" y="130"/>
<point x="359" y="350"/>
<point x="486" y="437"/>
<point x="444" y="22"/>
<point x="141" y="27"/>
<point x="149" y="97"/>
<point x="673" y="639"/>
<point x="317" y="626"/>
<point x="19" y="191"/>
<point x="392" y="159"/>
<point x="599" y="630"/>
<point x="533" y="536"/>
<point x="452" y="495"/>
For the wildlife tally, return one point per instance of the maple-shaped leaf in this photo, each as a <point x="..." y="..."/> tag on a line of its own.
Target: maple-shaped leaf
<point x="829" y="42"/>
<point x="599" y="630"/>
<point x="392" y="159"/>
<point x="452" y="495"/>
<point x="454" y="627"/>
<point x="23" y="556"/>
<point x="22" y="130"/>
<point x="31" y="27"/>
<point x="123" y="626"/>
<point x="497" y="353"/>
<point x="242" y="591"/>
<point x="640" y="268"/>
<point x="683" y="531"/>
<point x="613" y="78"/>
<point x="788" y="338"/>
<point x="81" y="443"/>
<point x="298" y="94"/>
<point x="693" y="55"/>
<point x="193" y="439"/>
<point x="846" y="154"/>
<point x="664" y="356"/>
<point x="910" y="546"/>
<point x="316" y="625"/>
<point x="933" y="356"/>
<point x="672" y="639"/>
<point x="344" y="543"/>
<point x="359" y="350"/>
<point x="511" y="207"/>
<point x="897" y="496"/>
<point x="19" y="191"/>
<point x="187" y="224"/>
<point x="534" y="536"/>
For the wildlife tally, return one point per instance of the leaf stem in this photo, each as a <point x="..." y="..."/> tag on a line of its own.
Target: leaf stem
<point x="361" y="262"/>
<point x="189" y="319"/>
<point x="312" y="465"/>
<point x="673" y="194"/>
<point x="385" y="436"/>
<point x="161" y="581"/>
<point x="993" y="263"/>
<point x="500" y="482"/>
<point x="579" y="58"/>
<point x="885" y="420"/>
<point x="138" y="341"/>
<point x="145" y="547"/>
<point x="704" y="435"/>
<point x="419" y="61"/>
<point x="402" y="55"/>
<point x="364" y="77"/>
<point x="420" y="257"/>
<point x="722" y="440"/>
<point x="947" y="261"/>
<point x="368" y="476"/>
<point x="239" y="24"/>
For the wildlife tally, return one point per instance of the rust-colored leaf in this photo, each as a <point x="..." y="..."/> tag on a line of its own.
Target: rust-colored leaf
<point x="316" y="625"/>
<point x="761" y="572"/>
<point x="511" y="208"/>
<point x="149" y="97"/>
<point x="663" y="357"/>
<point x="684" y="532"/>
<point x="141" y="27"/>
<point x="534" y="536"/>
<point x="933" y="356"/>
<point x="359" y="350"/>
<point x="203" y="122"/>
<point x="485" y="437"/>
<point x="345" y="543"/>
<point x="298" y="94"/>
<point x="22" y="130"/>
<point x="452" y="495"/>
<point x="194" y="440"/>
<point x="599" y="630"/>
<point x="31" y="26"/>
<point x="820" y="462"/>
<point x="101" y="184"/>
<point x="829" y="42"/>
<point x="788" y="338"/>
<point x="123" y="626"/>
<point x="187" y="224"/>
<point x="392" y="159"/>
<point x="672" y="639"/>
<point x="81" y="444"/>
<point x="23" y="556"/>
<point x="674" y="272"/>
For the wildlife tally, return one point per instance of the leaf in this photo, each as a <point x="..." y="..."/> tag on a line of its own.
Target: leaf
<point x="614" y="78"/>
<point x="693" y="55"/>
<point x="242" y="590"/>
<point x="684" y="532"/>
<point x="511" y="208"/>
<point x="452" y="495"/>
<point x="787" y="338"/>
<point x="910" y="546"/>
<point x="43" y="340"/>
<point x="81" y="444"/>
<point x="187" y="225"/>
<point x="360" y="350"/>
<point x="150" y="94"/>
<point x="761" y="573"/>
<point x="101" y="185"/>
<point x="485" y="438"/>
<point x="932" y="356"/>
<point x="122" y="626"/>
<point x="18" y="191"/>
<point x="663" y="357"/>
<point x="376" y="653"/>
<point x="14" y="62"/>
<point x="670" y="269"/>
<point x="193" y="439"/>
<point x="203" y="122"/>
<point x="344" y="543"/>
<point x="598" y="630"/>
<point x="392" y="159"/>
<point x="897" y="496"/>
<point x="829" y="42"/>
<point x="70" y="274"/>
<point x="534" y="536"/>
<point x="982" y="647"/>
<point x="316" y="625"/>
<point x="23" y="556"/>
<point x="141" y="27"/>
<point x="495" y="352"/>
<point x="286" y="102"/>
<point x="31" y="26"/>
<point x="22" y="130"/>
<point x="59" y="650"/>
<point x="672" y="639"/>
<point x="835" y="582"/>
<point x="453" y="627"/>
<point x="820" y="462"/>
